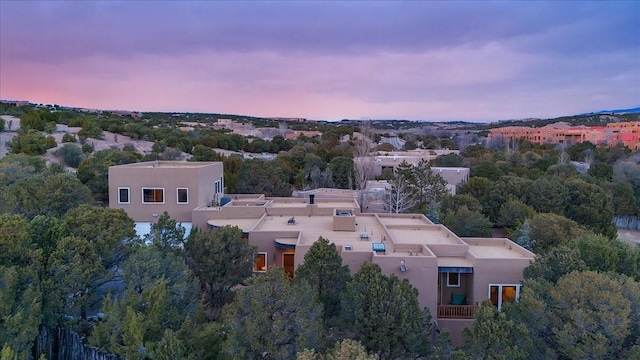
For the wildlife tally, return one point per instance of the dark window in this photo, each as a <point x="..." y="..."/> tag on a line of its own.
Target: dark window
<point x="123" y="195"/>
<point x="183" y="196"/>
<point x="152" y="195"/>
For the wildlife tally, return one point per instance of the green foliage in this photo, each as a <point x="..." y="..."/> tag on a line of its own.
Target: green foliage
<point x="45" y="194"/>
<point x="94" y="171"/>
<point x="554" y="264"/>
<point x="467" y="223"/>
<point x="494" y="336"/>
<point x="203" y="153"/>
<point x="272" y="319"/>
<point x="91" y="130"/>
<point x="514" y="213"/>
<point x="69" y="138"/>
<point x="108" y="229"/>
<point x="220" y="259"/>
<point x="591" y="207"/>
<point x="523" y="236"/>
<point x="346" y="349"/>
<point x="38" y="120"/>
<point x="601" y="171"/>
<point x="30" y="142"/>
<point x="487" y="169"/>
<point x="261" y="177"/>
<point x="603" y="254"/>
<point x="551" y="230"/>
<point x="455" y="202"/>
<point x="323" y="271"/>
<point x="71" y="270"/>
<point x="71" y="154"/>
<point x="166" y="234"/>
<point x="450" y="160"/>
<point x="590" y="317"/>
<point x="20" y="309"/>
<point x="342" y="170"/>
<point x="382" y="312"/>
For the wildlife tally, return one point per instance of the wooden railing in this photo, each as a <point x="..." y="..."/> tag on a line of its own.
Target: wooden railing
<point x="456" y="311"/>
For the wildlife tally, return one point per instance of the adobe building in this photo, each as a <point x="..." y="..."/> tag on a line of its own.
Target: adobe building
<point x="452" y="274"/>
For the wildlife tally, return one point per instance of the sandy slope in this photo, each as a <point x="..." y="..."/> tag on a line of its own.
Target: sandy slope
<point x="110" y="139"/>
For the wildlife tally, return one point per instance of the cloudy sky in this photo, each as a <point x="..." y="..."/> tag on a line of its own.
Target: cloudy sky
<point x="455" y="60"/>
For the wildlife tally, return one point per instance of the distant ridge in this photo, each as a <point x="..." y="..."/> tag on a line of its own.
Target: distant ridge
<point x="617" y="111"/>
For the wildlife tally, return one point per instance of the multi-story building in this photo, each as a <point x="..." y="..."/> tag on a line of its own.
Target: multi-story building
<point x="452" y="274"/>
<point x="626" y="133"/>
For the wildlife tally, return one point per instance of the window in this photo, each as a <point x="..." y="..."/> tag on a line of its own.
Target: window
<point x="152" y="195"/>
<point x="453" y="279"/>
<point x="183" y="196"/>
<point x="260" y="262"/>
<point x="500" y="294"/>
<point x="218" y="186"/>
<point x="123" y="195"/>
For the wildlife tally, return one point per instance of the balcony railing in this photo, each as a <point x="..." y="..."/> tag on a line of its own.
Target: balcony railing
<point x="456" y="311"/>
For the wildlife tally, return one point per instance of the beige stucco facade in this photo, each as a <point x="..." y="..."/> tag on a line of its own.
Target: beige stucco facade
<point x="436" y="261"/>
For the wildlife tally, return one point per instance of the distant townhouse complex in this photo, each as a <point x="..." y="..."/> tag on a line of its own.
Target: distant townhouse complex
<point x="626" y="133"/>
<point x="452" y="274"/>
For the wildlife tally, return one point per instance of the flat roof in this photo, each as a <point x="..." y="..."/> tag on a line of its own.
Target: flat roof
<point x="496" y="248"/>
<point x="431" y="235"/>
<point x="303" y="202"/>
<point x="312" y="227"/>
<point x="169" y="164"/>
<point x="244" y="224"/>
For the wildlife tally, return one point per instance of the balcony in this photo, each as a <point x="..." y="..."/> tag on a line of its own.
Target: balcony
<point x="456" y="311"/>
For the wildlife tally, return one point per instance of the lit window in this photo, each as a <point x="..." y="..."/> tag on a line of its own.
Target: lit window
<point x="260" y="262"/>
<point x="500" y="294"/>
<point x="183" y="196"/>
<point x="123" y="196"/>
<point x="453" y="279"/>
<point x="152" y="195"/>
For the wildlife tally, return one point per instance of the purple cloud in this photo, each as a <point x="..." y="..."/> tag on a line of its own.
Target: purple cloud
<point x="429" y="60"/>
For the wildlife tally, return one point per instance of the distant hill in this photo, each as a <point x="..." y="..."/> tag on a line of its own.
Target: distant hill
<point x="620" y="111"/>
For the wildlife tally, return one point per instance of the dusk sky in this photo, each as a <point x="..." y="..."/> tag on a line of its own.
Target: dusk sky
<point x="325" y="60"/>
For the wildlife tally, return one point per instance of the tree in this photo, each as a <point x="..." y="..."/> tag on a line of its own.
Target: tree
<point x="494" y="336"/>
<point x="94" y="171"/>
<point x="166" y="234"/>
<point x="323" y="271"/>
<point x="383" y="313"/>
<point x="590" y="206"/>
<point x="523" y="237"/>
<point x="271" y="319"/>
<point x="91" y="130"/>
<point x="590" y="317"/>
<point x="342" y="170"/>
<point x="71" y="271"/>
<point x="258" y="176"/>
<point x="554" y="264"/>
<point x="71" y="154"/>
<point x="602" y="254"/>
<point x="110" y="230"/>
<point x="551" y="230"/>
<point x="400" y="198"/>
<point x="45" y="194"/>
<point x="160" y="296"/>
<point x="466" y="223"/>
<point x="30" y="142"/>
<point x="220" y="259"/>
<point x="514" y="213"/>
<point x="363" y="163"/>
<point x="427" y="186"/>
<point x="204" y="153"/>
<point x="346" y="349"/>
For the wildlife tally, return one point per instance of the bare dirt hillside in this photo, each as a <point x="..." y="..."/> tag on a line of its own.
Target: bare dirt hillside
<point x="110" y="139"/>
